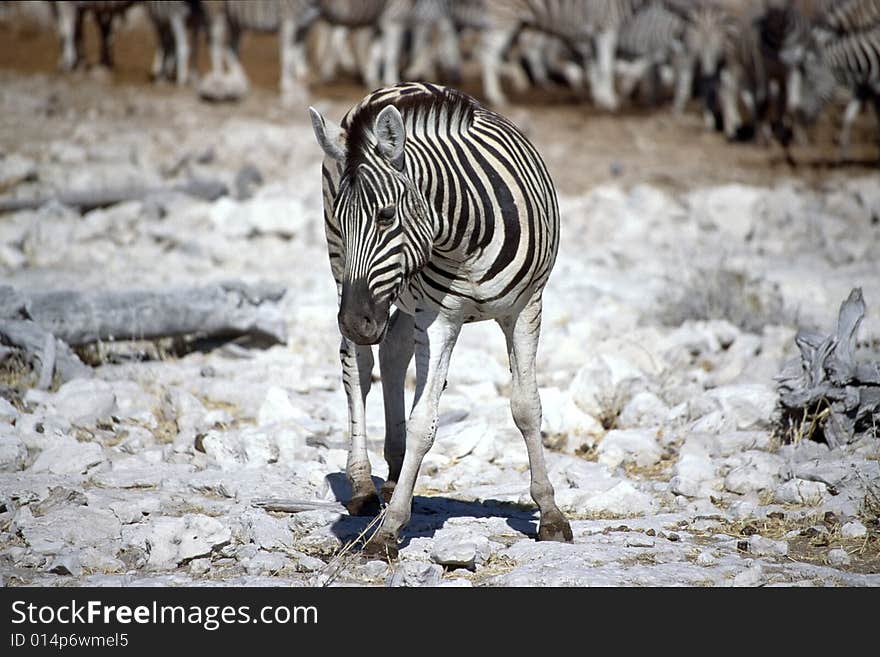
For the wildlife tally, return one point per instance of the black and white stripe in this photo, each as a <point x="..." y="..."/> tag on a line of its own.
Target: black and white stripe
<point x="441" y="207"/>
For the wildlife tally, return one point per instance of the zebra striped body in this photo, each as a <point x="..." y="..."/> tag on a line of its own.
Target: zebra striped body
<point x="441" y="207"/>
<point x="653" y="38"/>
<point x="588" y="27"/>
<point x="846" y="45"/>
<point x="230" y="19"/>
<point x="494" y="223"/>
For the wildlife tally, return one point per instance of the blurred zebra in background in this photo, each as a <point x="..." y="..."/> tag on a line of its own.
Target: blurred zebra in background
<point x="589" y="29"/>
<point x="844" y="46"/>
<point x="69" y="18"/>
<point x="651" y="49"/>
<point x="177" y="24"/>
<point x="229" y="19"/>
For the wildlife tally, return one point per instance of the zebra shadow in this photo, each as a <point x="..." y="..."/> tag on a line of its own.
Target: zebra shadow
<point x="431" y="513"/>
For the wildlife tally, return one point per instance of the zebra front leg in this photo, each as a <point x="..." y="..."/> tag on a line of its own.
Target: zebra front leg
<point x="105" y="27"/>
<point x="357" y="370"/>
<point x="493" y="42"/>
<point x="521" y="333"/>
<point x="181" y="48"/>
<point x="853" y="109"/>
<point x="395" y="352"/>
<point x="435" y="336"/>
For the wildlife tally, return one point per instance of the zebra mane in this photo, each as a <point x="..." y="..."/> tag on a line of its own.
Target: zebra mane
<point x="413" y="101"/>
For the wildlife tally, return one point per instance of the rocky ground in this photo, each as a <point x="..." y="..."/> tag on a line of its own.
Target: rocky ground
<point x="675" y="300"/>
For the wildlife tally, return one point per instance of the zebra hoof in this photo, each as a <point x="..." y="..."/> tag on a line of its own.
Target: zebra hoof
<point x="363" y="505"/>
<point x="382" y="546"/>
<point x="554" y="527"/>
<point x="387" y="490"/>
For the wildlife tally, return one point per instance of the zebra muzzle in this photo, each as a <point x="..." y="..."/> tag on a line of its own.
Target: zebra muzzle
<point x="361" y="319"/>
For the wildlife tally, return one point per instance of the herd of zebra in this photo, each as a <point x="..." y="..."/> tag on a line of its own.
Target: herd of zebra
<point x="762" y="68"/>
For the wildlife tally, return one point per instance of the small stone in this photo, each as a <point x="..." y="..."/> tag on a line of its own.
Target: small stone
<point x="66" y="564"/>
<point x="761" y="546"/>
<point x="854" y="529"/>
<point x="68" y="456"/>
<point x="199" y="567"/>
<point x="459" y="549"/>
<point x="84" y="401"/>
<point x="707" y="558"/>
<point x="415" y="573"/>
<point x="801" y="492"/>
<point x="839" y="557"/>
<point x="672" y="536"/>
<point x="623" y="499"/>
<point x="650" y="532"/>
<point x="636" y="446"/>
<point x="639" y="541"/>
<point x="750" y="577"/>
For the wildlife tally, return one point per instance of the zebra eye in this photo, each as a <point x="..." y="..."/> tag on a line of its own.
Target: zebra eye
<point x="385" y="217"/>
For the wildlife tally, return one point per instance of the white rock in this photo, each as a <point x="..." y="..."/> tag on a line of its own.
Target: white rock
<point x="562" y="417"/>
<point x="801" y="491"/>
<point x="459" y="548"/>
<point x="13" y="452"/>
<point x="78" y="526"/>
<point x="592" y="389"/>
<point x="757" y="471"/>
<point x="199" y="567"/>
<point x="14" y="169"/>
<point x="639" y="540"/>
<point x="266" y="531"/>
<point x="761" y="546"/>
<point x="853" y="529"/>
<point x="621" y="500"/>
<point x="695" y="475"/>
<point x="66" y="563"/>
<point x="8" y="412"/>
<point x="68" y="456"/>
<point x="750" y="406"/>
<point x="729" y="209"/>
<point x="265" y="563"/>
<point x="277" y="408"/>
<point x="839" y="557"/>
<point x="459" y="439"/>
<point x="83" y="401"/>
<point x="645" y="409"/>
<point x="416" y="573"/>
<point x="752" y="576"/>
<point x="707" y="557"/>
<point x="171" y="540"/>
<point x="637" y="446"/>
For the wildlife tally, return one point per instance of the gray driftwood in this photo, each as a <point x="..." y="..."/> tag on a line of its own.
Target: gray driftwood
<point x="45" y="325"/>
<point x="89" y="199"/>
<point x="828" y="388"/>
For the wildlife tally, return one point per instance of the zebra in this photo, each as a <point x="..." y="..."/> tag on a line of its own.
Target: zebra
<point x="651" y="39"/>
<point x="230" y="18"/>
<point x="589" y="27"/>
<point x="849" y="45"/>
<point x="69" y="22"/>
<point x="379" y="28"/>
<point x="175" y="52"/>
<point x="441" y="207"/>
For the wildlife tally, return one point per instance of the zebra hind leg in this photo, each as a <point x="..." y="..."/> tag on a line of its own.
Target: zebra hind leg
<point x="395" y="353"/>
<point x="522" y="334"/>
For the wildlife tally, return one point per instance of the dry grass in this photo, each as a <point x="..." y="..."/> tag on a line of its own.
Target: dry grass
<point x="748" y="302"/>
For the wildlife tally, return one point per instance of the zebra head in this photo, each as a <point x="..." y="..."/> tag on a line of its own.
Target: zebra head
<point x="384" y="222"/>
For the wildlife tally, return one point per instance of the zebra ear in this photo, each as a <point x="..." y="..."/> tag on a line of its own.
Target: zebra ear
<point x="391" y="135"/>
<point x="331" y="138"/>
